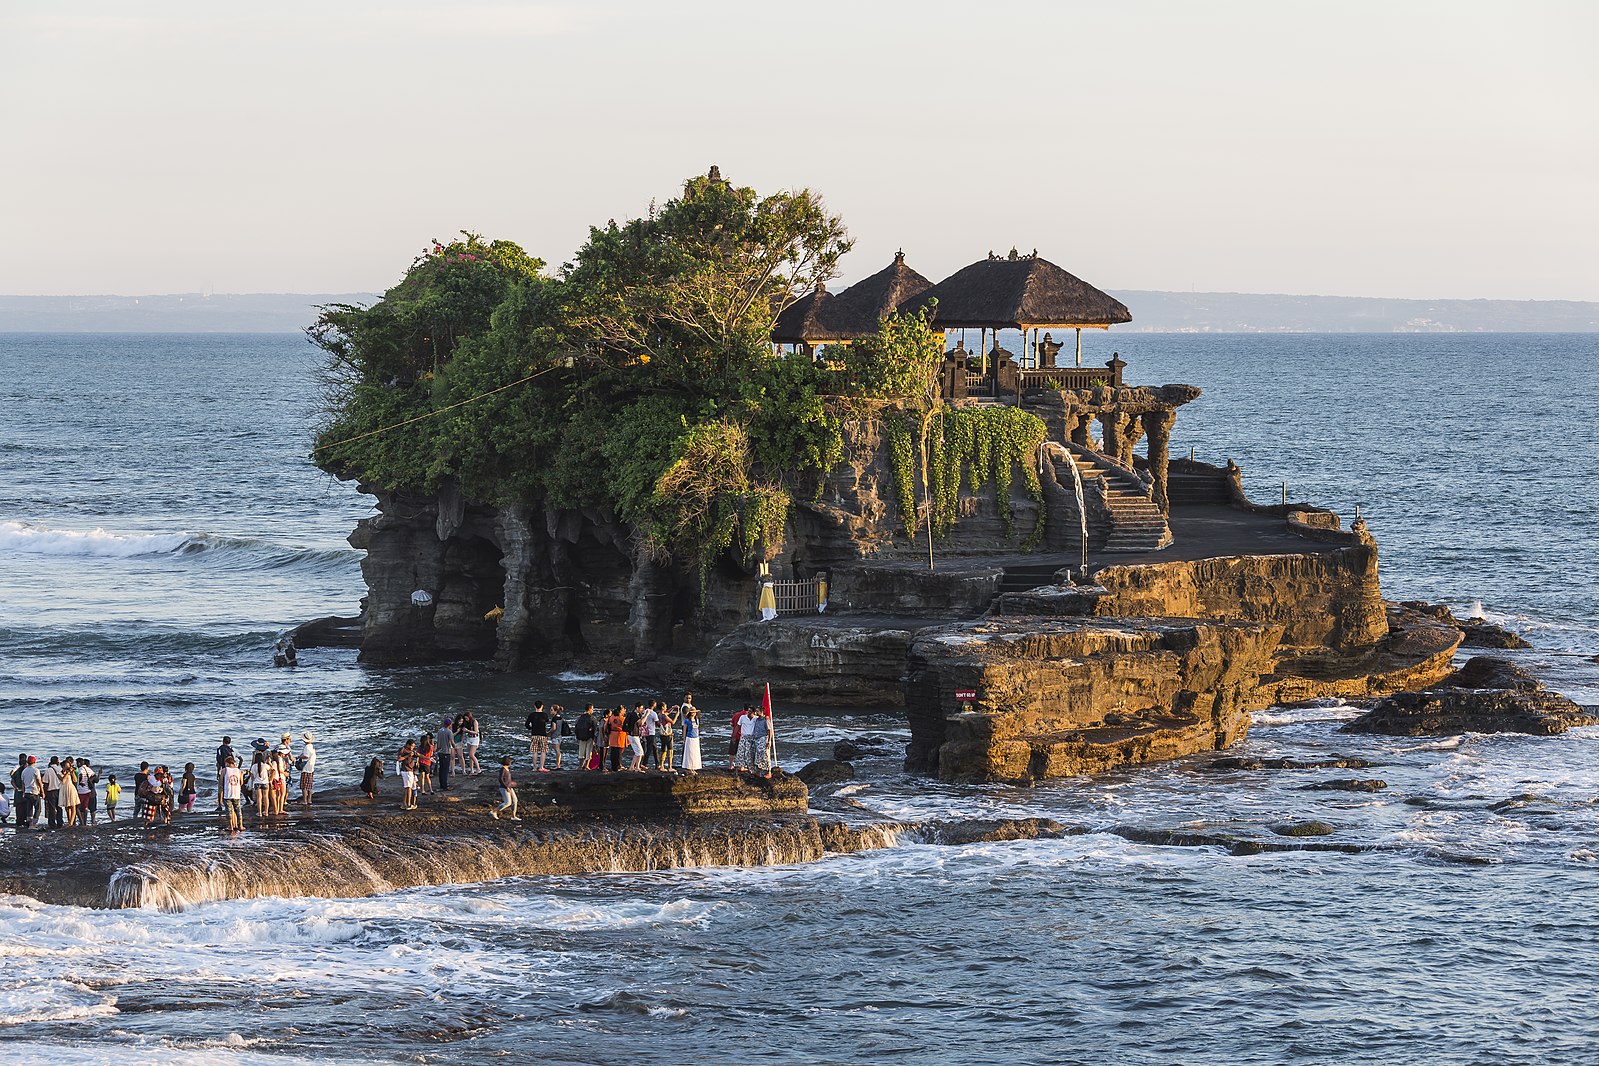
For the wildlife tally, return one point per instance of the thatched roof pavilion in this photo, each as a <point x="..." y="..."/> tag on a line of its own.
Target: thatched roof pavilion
<point x="866" y="303"/>
<point x="811" y="320"/>
<point x="820" y="317"/>
<point x="1022" y="292"/>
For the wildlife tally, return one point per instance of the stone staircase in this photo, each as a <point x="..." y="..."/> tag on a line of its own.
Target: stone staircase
<point x="1136" y="524"/>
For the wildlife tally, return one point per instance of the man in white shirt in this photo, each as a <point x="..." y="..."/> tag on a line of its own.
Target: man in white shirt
<point x="307" y="768"/>
<point x="232" y="780"/>
<point x="646" y="731"/>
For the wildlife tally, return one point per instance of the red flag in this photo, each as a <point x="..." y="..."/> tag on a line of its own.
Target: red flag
<point x="766" y="700"/>
<point x="771" y="734"/>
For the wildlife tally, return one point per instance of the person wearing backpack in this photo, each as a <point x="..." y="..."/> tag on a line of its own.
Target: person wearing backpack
<point x="583" y="729"/>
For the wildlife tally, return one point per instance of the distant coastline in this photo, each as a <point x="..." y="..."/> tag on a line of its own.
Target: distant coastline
<point x="1157" y="312"/>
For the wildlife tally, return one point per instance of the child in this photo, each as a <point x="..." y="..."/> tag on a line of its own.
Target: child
<point x="507" y="791"/>
<point x="113" y="792"/>
<point x="374" y="774"/>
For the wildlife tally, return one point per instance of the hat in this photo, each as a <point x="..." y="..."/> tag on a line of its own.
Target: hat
<point x="259" y="743"/>
<point x="307" y="737"/>
<point x="32" y="759"/>
<point x="288" y="736"/>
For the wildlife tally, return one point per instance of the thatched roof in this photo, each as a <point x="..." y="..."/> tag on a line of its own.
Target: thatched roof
<point x="1018" y="293"/>
<point x="866" y="303"/>
<point x="810" y="319"/>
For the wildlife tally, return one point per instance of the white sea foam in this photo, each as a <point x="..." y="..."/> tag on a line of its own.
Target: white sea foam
<point x="573" y="677"/>
<point x="36" y="999"/>
<point x="23" y="538"/>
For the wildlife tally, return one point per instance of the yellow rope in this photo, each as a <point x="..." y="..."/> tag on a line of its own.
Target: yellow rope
<point x="430" y="414"/>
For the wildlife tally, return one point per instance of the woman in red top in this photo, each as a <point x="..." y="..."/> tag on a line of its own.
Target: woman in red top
<point x="424" y="759"/>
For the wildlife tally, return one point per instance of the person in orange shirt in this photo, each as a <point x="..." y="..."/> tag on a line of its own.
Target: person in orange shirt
<point x="615" y="741"/>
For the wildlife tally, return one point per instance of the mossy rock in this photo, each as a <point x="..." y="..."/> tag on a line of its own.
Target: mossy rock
<point x="1311" y="828"/>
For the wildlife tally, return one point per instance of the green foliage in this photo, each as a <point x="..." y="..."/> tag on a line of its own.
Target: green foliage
<point x="899" y="433"/>
<point x="902" y="362"/>
<point x="970" y="446"/>
<point x="641" y="380"/>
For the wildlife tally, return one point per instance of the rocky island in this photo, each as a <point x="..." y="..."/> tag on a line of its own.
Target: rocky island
<point x="682" y="456"/>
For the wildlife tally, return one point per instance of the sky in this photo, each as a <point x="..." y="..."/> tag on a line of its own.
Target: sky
<point x="1393" y="148"/>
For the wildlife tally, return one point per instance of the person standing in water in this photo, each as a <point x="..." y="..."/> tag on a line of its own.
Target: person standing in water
<point x="444" y="753"/>
<point x="307" y="768"/>
<point x="224" y="754"/>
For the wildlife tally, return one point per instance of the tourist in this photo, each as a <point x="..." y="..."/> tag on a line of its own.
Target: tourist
<point x="67" y="793"/>
<point x="224" y="755"/>
<point x="691" y="739"/>
<point x="557" y="730"/>
<point x="472" y="737"/>
<point x="615" y="740"/>
<point x="189" y="789"/>
<point x="33" y="792"/>
<point x="261" y="782"/>
<point x="307" y="768"/>
<point x="507" y="791"/>
<point x="88" y="798"/>
<point x="758" y="732"/>
<point x="649" y="755"/>
<point x="538" y="734"/>
<point x="664" y="730"/>
<point x="632" y="720"/>
<point x="443" y="753"/>
<point x="141" y="791"/>
<point x="52" y="792"/>
<point x="231" y="788"/>
<point x="424" y="766"/>
<point x="584" y="730"/>
<point x="161" y="795"/>
<point x="113" y="792"/>
<point x="5" y="806"/>
<point x="732" y="743"/>
<point x="405" y="766"/>
<point x="370" y="779"/>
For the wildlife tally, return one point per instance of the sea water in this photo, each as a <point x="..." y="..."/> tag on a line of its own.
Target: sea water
<point x="161" y="525"/>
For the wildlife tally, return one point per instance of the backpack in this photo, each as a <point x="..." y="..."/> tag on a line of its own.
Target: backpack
<point x="16" y="781"/>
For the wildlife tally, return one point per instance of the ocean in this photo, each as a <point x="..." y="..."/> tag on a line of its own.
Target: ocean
<point x="161" y="526"/>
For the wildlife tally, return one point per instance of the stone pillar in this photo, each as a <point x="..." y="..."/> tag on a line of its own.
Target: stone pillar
<point x="1077" y="422"/>
<point x="1113" y="425"/>
<point x="1158" y="425"/>
<point x="1133" y="433"/>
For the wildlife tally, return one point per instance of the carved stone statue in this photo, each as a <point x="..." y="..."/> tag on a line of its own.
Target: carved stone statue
<point x="1047" y="350"/>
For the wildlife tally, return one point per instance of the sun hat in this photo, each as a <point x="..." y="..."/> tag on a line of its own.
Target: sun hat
<point x="308" y="738"/>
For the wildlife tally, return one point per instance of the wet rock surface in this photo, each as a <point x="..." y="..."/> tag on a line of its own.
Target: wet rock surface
<point x="865" y="747"/>
<point x="1348" y="784"/>
<point x="1486" y="695"/>
<point x="1337" y="762"/>
<point x="1303" y="829"/>
<point x="825" y="772"/>
<point x="1480" y="633"/>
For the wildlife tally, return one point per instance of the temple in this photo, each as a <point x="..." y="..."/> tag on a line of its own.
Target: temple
<point x="1095" y="421"/>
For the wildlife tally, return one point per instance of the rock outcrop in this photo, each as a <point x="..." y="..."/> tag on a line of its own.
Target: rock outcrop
<point x="1486" y="695"/>
<point x="1058" y="697"/>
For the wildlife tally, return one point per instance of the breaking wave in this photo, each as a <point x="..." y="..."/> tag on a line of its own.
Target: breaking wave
<point x="24" y="538"/>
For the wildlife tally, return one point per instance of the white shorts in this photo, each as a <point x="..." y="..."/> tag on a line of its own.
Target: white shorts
<point x="407" y="779"/>
<point x="471" y="742"/>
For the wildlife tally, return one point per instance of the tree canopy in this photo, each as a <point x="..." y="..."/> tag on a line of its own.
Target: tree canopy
<point x="639" y="378"/>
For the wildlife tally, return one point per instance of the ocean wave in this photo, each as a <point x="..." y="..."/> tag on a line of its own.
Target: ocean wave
<point x="24" y="538"/>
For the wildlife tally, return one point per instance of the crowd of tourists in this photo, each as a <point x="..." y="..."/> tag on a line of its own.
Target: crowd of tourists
<point x="652" y="736"/>
<point x="64" y="793"/>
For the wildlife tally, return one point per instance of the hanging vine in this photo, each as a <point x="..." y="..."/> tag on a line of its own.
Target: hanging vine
<point x="899" y="431"/>
<point x="974" y="447"/>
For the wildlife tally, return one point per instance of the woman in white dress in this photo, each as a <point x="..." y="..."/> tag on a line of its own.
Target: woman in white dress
<point x="691" y="740"/>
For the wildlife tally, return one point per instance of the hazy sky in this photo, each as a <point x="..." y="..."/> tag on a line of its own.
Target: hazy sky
<point x="1384" y="148"/>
